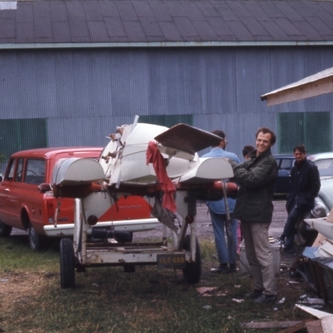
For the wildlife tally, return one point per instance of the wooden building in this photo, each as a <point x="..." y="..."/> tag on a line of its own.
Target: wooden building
<point x="71" y="71"/>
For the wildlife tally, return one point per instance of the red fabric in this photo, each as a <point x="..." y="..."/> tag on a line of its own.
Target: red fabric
<point x="155" y="157"/>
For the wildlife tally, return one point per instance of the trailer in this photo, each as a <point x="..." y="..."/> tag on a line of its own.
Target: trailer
<point x="158" y="163"/>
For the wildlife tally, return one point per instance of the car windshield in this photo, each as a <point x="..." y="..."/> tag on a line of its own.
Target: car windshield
<point x="325" y="167"/>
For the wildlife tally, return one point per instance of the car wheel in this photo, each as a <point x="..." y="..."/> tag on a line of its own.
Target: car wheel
<point x="192" y="271"/>
<point x="67" y="263"/>
<point x="305" y="235"/>
<point x="34" y="239"/>
<point x="5" y="230"/>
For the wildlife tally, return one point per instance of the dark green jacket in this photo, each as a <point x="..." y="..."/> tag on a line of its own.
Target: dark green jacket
<point x="256" y="178"/>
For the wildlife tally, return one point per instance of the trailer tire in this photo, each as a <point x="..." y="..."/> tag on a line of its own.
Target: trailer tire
<point x="192" y="271"/>
<point x="5" y="229"/>
<point x="67" y="263"/>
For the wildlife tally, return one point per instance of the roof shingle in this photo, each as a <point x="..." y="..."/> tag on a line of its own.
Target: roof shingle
<point x="144" y="21"/>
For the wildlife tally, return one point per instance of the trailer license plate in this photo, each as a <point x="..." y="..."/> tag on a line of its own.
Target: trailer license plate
<point x="176" y="260"/>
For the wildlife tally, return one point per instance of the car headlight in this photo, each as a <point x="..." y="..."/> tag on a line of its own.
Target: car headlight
<point x="318" y="210"/>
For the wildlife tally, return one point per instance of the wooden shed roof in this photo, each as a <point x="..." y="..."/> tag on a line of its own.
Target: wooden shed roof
<point x="313" y="85"/>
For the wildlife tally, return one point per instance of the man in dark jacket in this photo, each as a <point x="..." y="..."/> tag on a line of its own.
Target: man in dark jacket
<point x="254" y="207"/>
<point x="305" y="185"/>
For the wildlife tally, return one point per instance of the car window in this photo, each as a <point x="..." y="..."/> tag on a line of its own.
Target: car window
<point x="19" y="169"/>
<point x="10" y="175"/>
<point x="35" y="171"/>
<point x="286" y="164"/>
<point x="325" y="167"/>
<point x="15" y="170"/>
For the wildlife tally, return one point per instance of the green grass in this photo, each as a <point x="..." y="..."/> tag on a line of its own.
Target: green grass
<point x="15" y="255"/>
<point x="109" y="300"/>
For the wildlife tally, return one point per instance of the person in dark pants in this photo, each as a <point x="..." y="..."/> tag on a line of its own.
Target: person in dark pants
<point x="305" y="185"/>
<point x="224" y="226"/>
<point x="256" y="178"/>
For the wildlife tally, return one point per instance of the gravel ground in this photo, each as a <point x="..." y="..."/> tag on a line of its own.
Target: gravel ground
<point x="205" y="229"/>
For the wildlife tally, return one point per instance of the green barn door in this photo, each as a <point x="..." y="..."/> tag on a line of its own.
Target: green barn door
<point x="313" y="129"/>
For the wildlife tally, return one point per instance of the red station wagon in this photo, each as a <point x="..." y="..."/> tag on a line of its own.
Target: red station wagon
<point x="23" y="206"/>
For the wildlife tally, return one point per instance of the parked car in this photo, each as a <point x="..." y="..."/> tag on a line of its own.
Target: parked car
<point x="323" y="205"/>
<point x="282" y="185"/>
<point x="323" y="202"/>
<point x="23" y="206"/>
<point x="324" y="162"/>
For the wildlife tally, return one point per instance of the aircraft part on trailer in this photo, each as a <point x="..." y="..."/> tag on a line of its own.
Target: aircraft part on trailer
<point x="74" y="171"/>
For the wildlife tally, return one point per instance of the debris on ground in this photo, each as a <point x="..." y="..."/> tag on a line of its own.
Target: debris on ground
<point x="210" y="291"/>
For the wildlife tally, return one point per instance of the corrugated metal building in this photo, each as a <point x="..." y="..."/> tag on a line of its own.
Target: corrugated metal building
<point x="71" y="71"/>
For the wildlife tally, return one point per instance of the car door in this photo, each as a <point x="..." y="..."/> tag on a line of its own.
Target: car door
<point x="283" y="183"/>
<point x="31" y="196"/>
<point x="5" y="186"/>
<point x="10" y="190"/>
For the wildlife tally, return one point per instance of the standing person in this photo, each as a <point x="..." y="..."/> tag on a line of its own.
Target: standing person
<point x="246" y="151"/>
<point x="226" y="253"/>
<point x="254" y="207"/>
<point x="246" y="154"/>
<point x="305" y="185"/>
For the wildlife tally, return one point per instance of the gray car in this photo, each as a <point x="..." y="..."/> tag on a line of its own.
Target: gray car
<point x="324" y="162"/>
<point x="323" y="202"/>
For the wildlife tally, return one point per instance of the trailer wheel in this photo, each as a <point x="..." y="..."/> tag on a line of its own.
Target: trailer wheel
<point x="67" y="263"/>
<point x="192" y="271"/>
<point x="129" y="268"/>
<point x="5" y="230"/>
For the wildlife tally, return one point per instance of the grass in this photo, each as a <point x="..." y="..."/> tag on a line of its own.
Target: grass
<point x="107" y="300"/>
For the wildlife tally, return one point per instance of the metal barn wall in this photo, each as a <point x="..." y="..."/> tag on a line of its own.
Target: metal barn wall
<point x="85" y="93"/>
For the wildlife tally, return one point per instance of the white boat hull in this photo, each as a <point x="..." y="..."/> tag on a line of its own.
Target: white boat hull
<point x="322" y="226"/>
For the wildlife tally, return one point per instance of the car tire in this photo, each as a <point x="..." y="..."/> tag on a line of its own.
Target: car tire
<point x="305" y="235"/>
<point x="35" y="242"/>
<point x="192" y="271"/>
<point x="5" y="230"/>
<point x="67" y="264"/>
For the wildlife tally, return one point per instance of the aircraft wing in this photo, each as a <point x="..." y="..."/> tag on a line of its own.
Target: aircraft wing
<point x="183" y="137"/>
